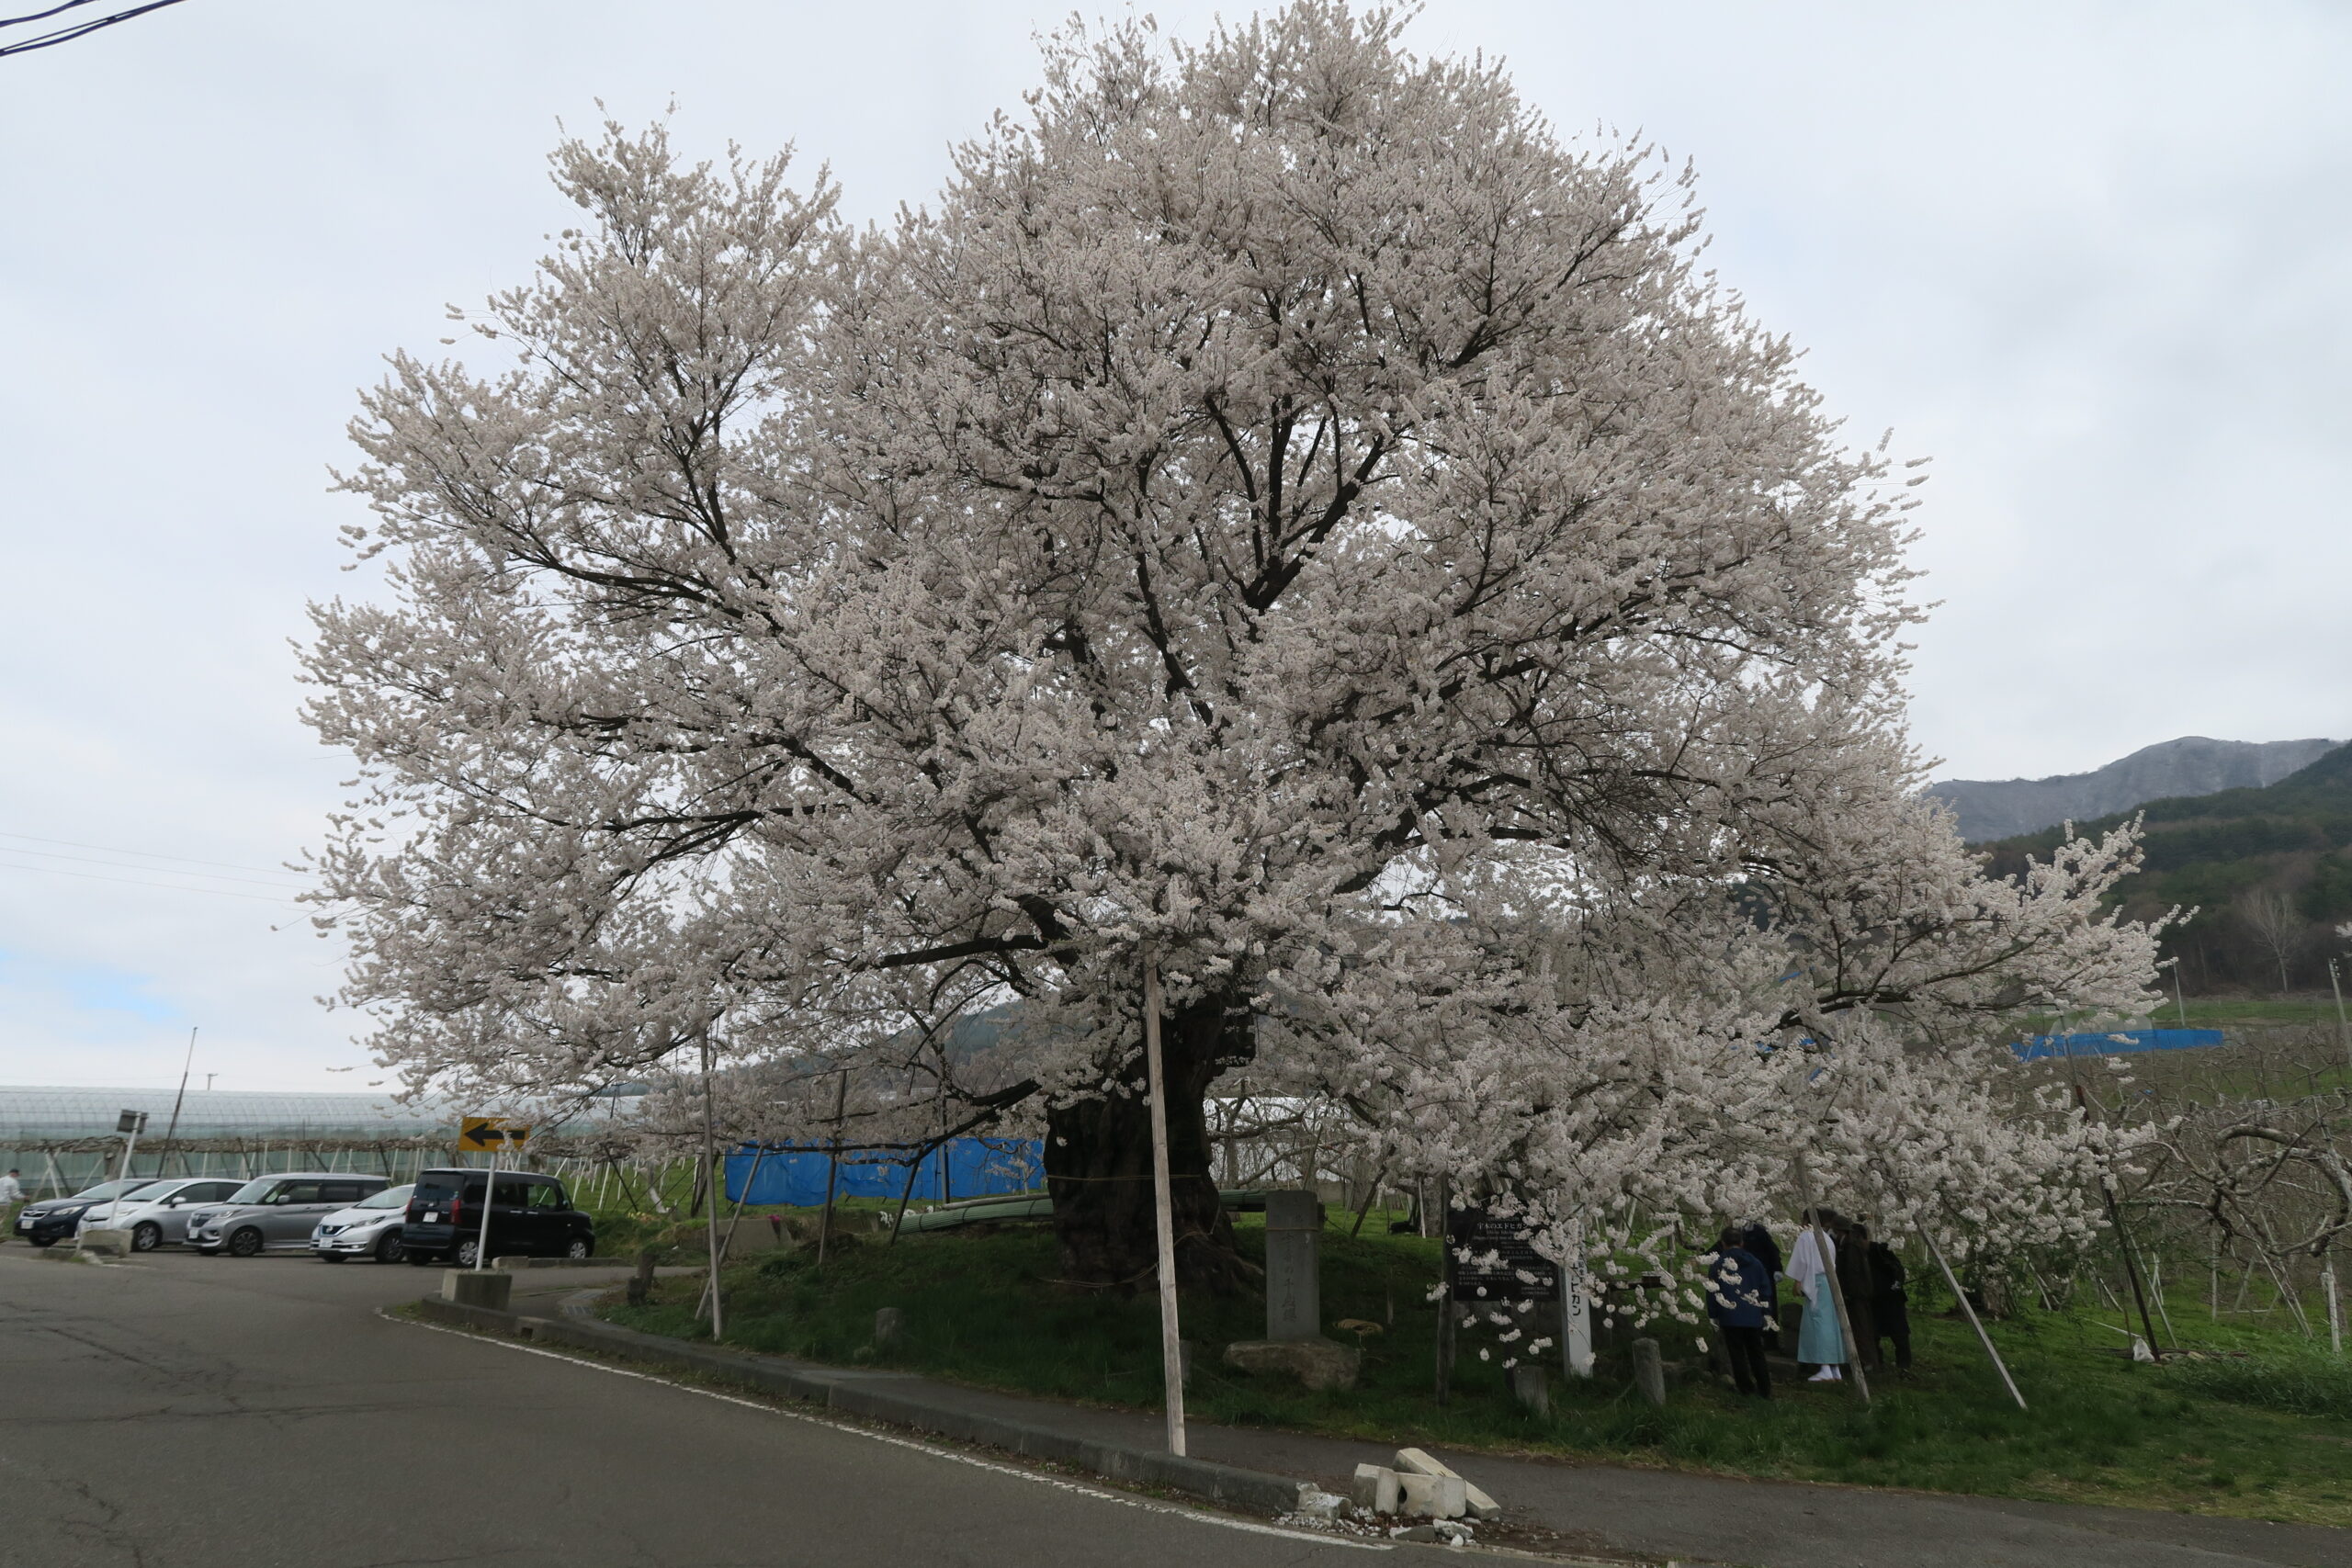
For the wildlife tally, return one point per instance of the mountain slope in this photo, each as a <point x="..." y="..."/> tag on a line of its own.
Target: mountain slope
<point x="2222" y="854"/>
<point x="2192" y="765"/>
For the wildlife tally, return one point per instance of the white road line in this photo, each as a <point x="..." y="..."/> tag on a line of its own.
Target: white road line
<point x="1055" y="1481"/>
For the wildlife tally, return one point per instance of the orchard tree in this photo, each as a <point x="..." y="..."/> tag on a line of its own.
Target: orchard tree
<point x="1283" y="516"/>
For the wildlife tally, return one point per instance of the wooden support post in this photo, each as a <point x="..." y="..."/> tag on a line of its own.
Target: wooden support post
<point x="711" y="1185"/>
<point x="1171" y="1349"/>
<point x="1836" y="1291"/>
<point x="833" y="1169"/>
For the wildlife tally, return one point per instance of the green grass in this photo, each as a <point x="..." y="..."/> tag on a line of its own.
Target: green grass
<point x="2264" y="1436"/>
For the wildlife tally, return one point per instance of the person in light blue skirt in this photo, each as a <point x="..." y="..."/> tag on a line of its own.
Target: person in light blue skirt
<point x="1812" y="1263"/>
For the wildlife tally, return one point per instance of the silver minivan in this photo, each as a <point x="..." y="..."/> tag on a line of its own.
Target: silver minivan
<point x="276" y="1213"/>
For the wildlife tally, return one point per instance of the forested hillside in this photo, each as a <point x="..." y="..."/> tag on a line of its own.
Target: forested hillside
<point x="2270" y="871"/>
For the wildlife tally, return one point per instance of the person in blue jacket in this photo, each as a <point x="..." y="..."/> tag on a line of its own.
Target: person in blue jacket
<point x="1740" y="1304"/>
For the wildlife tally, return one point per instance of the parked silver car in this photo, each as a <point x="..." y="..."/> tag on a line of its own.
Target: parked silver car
<point x="157" y="1214"/>
<point x="276" y="1213"/>
<point x="369" y="1228"/>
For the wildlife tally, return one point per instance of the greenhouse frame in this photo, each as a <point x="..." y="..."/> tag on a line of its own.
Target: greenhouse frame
<point x="62" y="1139"/>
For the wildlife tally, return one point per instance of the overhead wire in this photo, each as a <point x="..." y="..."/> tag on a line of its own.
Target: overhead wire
<point x="140" y="854"/>
<point x="117" y="865"/>
<point x="67" y="34"/>
<point x="135" y="882"/>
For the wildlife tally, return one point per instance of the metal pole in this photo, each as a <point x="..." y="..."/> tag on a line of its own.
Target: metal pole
<point x="130" y="1141"/>
<point x="489" y="1198"/>
<point x="176" y="1100"/>
<point x="1172" y="1354"/>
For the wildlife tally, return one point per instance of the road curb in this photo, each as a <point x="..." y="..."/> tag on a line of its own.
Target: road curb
<point x="868" y="1394"/>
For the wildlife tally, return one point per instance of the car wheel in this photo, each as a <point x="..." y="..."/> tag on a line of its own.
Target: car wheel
<point x="388" y="1250"/>
<point x="246" y="1243"/>
<point x="467" y="1252"/>
<point x="581" y="1247"/>
<point x="146" y="1236"/>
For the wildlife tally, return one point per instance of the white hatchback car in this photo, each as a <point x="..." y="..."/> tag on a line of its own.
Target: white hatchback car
<point x="369" y="1228"/>
<point x="157" y="1214"/>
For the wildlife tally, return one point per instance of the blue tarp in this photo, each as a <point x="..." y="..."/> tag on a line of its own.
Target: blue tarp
<point x="2118" y="1043"/>
<point x="972" y="1168"/>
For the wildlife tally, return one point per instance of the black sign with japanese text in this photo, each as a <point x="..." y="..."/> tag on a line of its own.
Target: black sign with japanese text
<point x="1489" y="1257"/>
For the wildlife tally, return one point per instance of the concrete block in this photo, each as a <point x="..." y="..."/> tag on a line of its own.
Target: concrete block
<point x="1320" y="1364"/>
<point x="1649" y="1373"/>
<point x="1433" y="1496"/>
<point x="1377" y="1489"/>
<point x="489" y="1287"/>
<point x="1314" y="1503"/>
<point x="1528" y="1386"/>
<point x="107" y="1243"/>
<point x="1420" y="1462"/>
<point x="890" y="1326"/>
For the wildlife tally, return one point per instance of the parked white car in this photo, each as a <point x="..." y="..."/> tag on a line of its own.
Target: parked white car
<point x="369" y="1228"/>
<point x="157" y="1213"/>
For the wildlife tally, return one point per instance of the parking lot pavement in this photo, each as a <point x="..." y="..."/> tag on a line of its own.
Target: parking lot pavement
<point x="187" y="1412"/>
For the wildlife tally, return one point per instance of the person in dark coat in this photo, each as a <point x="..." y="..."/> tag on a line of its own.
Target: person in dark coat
<point x="1740" y="1308"/>
<point x="1854" y="1285"/>
<point x="1890" y="1308"/>
<point x="1757" y="1242"/>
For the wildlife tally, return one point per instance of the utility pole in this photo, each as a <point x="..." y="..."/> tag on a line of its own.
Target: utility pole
<point x="177" y="1100"/>
<point x="1171" y="1350"/>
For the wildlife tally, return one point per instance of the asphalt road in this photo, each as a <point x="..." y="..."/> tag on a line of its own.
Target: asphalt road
<point x="190" y="1411"/>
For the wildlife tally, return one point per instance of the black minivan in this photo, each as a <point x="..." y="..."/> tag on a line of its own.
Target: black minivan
<point x="534" y="1217"/>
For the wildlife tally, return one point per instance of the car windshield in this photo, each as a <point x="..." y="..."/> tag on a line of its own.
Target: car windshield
<point x="253" y="1192"/>
<point x="106" y="1190"/>
<point x="389" y="1198"/>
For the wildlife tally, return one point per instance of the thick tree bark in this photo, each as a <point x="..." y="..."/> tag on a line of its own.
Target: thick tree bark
<point x="1098" y="1163"/>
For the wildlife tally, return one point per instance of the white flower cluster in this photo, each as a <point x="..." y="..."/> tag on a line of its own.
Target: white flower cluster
<point x="1282" y="512"/>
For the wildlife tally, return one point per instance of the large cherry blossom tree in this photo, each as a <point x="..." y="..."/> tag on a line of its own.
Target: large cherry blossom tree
<point x="1283" y="514"/>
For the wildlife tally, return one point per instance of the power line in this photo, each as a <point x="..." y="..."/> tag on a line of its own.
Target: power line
<point x="140" y="854"/>
<point x="116" y="865"/>
<point x="134" y="882"/>
<point x="67" y="34"/>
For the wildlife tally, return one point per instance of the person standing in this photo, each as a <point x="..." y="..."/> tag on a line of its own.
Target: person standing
<point x="1820" y="1343"/>
<point x="1757" y="1242"/>
<point x="1854" y="1280"/>
<point x="1738" y="1304"/>
<point x="12" y="1198"/>
<point x="1889" y="1306"/>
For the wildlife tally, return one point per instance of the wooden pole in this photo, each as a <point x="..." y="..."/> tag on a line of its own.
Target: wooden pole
<point x="1447" y="1308"/>
<point x="711" y="1286"/>
<point x="1962" y="1297"/>
<point x="832" y="1167"/>
<point x="710" y="1186"/>
<point x="1171" y="1352"/>
<point x="1836" y="1292"/>
<point x="2123" y="1241"/>
<point x="182" y="1099"/>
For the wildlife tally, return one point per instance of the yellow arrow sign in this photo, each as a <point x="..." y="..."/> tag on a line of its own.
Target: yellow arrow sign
<point x="479" y="1133"/>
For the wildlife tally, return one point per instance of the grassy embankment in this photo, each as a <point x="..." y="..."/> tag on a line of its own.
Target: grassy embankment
<point x="2263" y="1437"/>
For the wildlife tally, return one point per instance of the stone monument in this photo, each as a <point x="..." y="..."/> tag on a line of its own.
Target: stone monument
<point x="1294" y="1341"/>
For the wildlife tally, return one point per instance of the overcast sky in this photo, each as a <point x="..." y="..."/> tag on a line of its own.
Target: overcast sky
<point x="2092" y="259"/>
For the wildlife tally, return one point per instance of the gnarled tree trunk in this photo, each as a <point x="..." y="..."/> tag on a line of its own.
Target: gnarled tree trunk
<point x="1098" y="1163"/>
